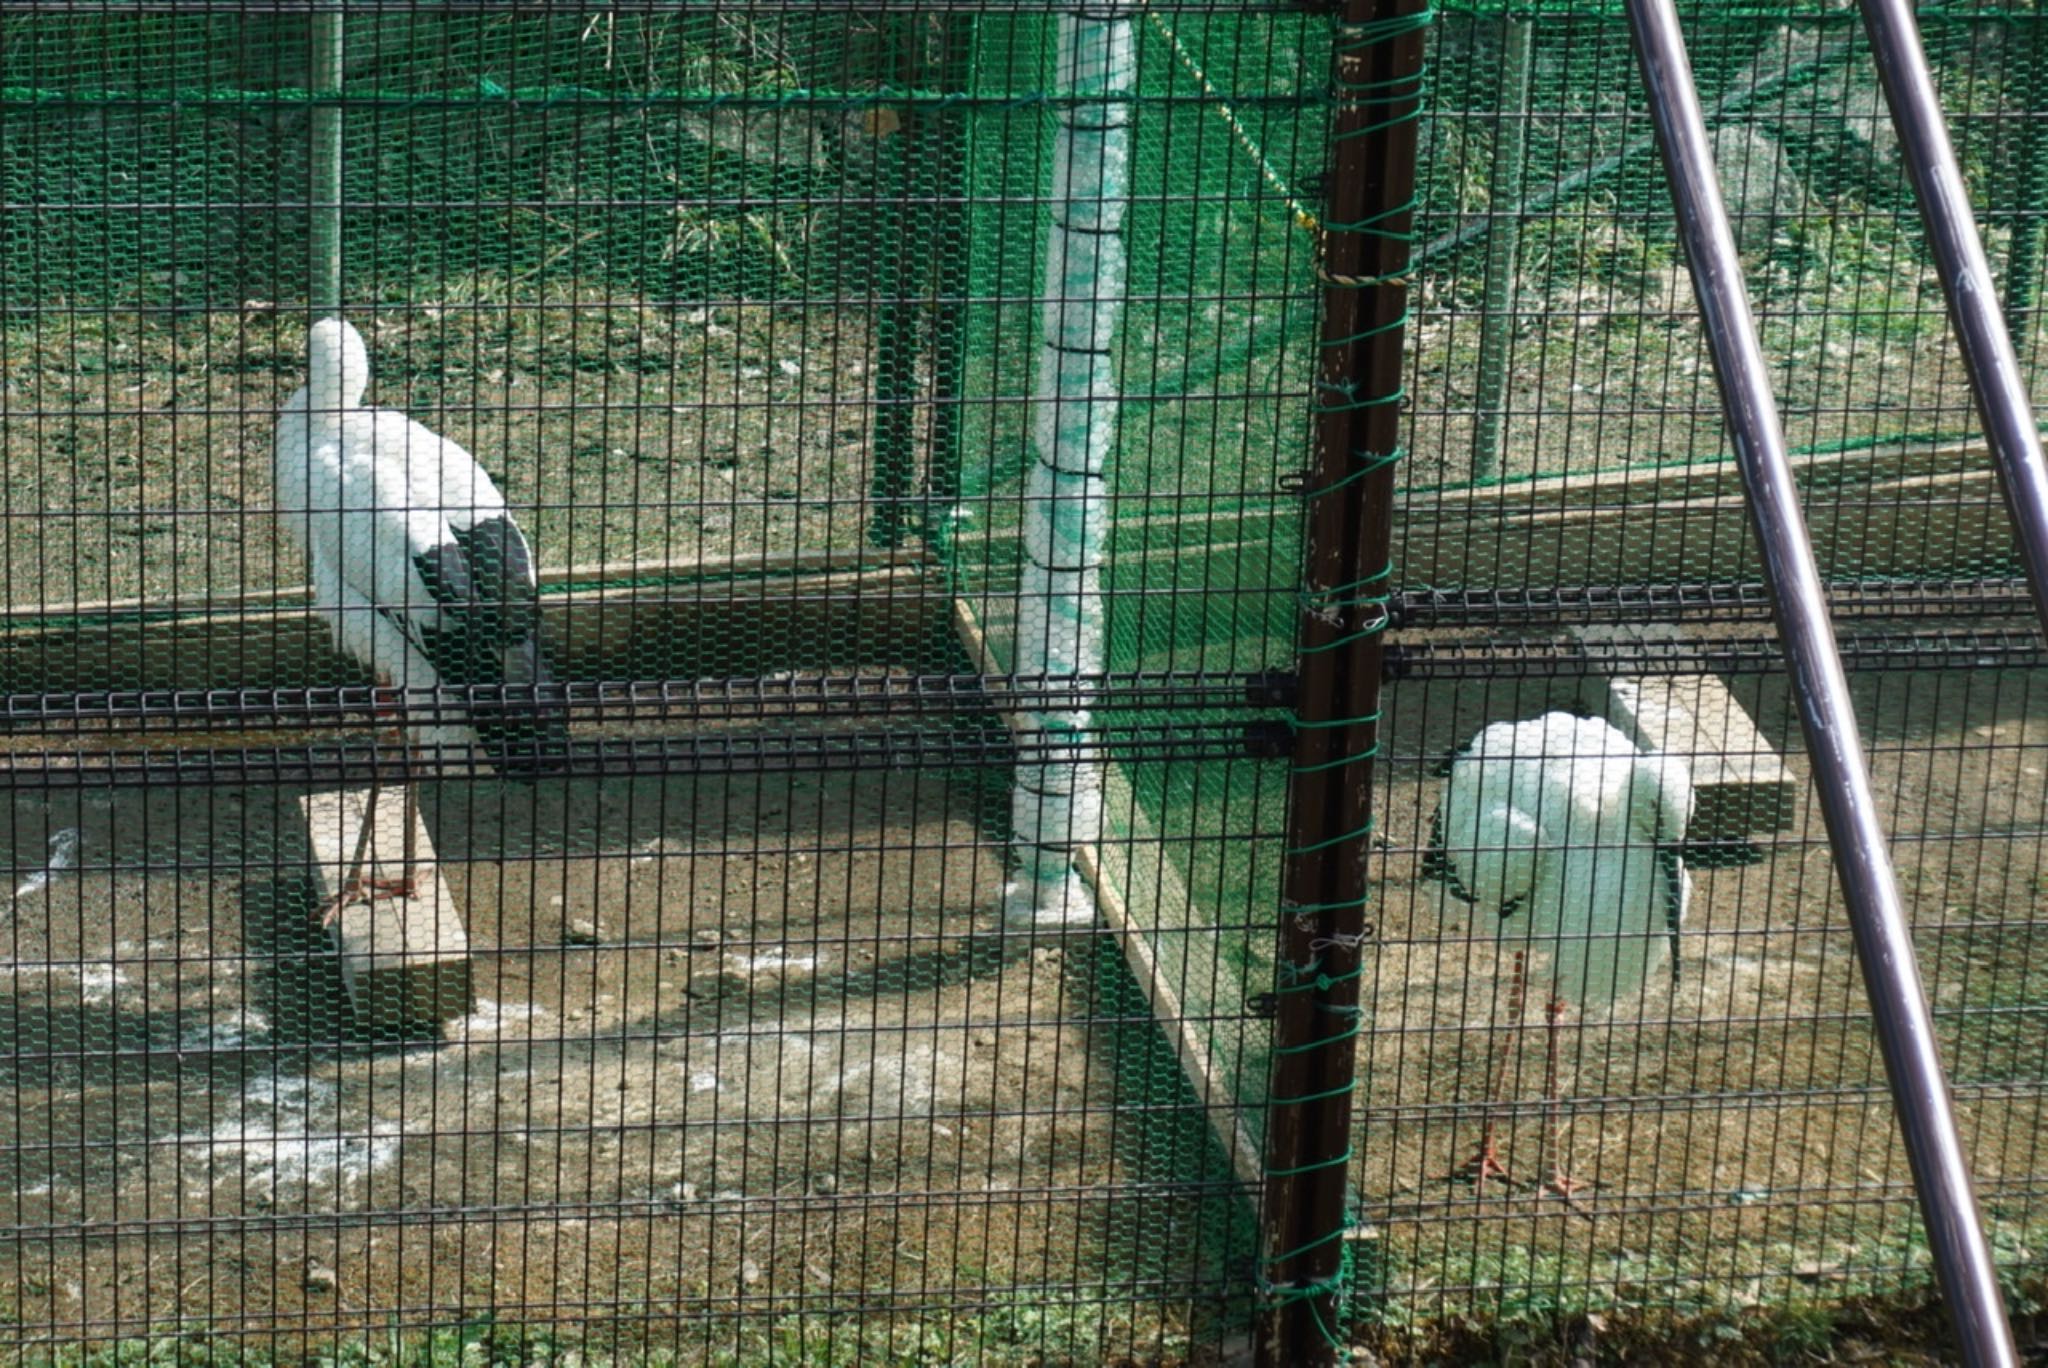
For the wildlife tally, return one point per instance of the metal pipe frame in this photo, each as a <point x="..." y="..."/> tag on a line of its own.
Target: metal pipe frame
<point x="1884" y="942"/>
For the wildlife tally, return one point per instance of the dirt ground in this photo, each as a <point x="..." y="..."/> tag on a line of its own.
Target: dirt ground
<point x="741" y="1048"/>
<point x="754" y="1047"/>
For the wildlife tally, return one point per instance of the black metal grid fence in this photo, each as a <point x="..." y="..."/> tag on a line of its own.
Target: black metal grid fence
<point x="890" y="963"/>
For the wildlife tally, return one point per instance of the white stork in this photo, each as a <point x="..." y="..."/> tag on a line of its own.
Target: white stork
<point x="1569" y="834"/>
<point x="417" y="562"/>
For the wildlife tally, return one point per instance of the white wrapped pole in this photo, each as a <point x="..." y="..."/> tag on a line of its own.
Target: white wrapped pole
<point x="323" y="291"/>
<point x="1057" y="803"/>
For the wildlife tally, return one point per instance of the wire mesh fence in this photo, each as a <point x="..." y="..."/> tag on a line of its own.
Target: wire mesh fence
<point x="904" y="410"/>
<point x="744" y="1024"/>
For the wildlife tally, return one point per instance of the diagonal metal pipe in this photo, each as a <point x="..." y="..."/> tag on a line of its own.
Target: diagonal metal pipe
<point x="2003" y="405"/>
<point x="1884" y="943"/>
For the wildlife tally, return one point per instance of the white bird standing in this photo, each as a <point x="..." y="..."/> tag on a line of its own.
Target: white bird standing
<point x="424" y="575"/>
<point x="1568" y="833"/>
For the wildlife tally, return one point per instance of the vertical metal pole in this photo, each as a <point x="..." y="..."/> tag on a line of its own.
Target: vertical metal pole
<point x="2023" y="266"/>
<point x="1884" y="941"/>
<point x="896" y="343"/>
<point x="2003" y="405"/>
<point x="1504" y="199"/>
<point x="1376" y="88"/>
<point x="954" y="252"/>
<point x="323" y="287"/>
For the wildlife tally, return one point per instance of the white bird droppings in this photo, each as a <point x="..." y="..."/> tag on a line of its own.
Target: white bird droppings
<point x="63" y="855"/>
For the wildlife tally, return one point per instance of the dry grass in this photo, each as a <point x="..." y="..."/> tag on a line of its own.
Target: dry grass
<point x="137" y="455"/>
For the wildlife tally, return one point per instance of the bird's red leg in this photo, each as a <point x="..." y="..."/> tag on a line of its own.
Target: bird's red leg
<point x="365" y="891"/>
<point x="356" y="888"/>
<point x="1557" y="1182"/>
<point x="1486" y="1163"/>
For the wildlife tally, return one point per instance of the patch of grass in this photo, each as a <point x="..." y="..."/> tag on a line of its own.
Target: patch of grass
<point x="137" y="448"/>
<point x="1523" y="1285"/>
<point x="1907" y="1329"/>
<point x="1019" y="1330"/>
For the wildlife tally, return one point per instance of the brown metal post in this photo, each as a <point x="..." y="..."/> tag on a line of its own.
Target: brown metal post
<point x="1376" y="86"/>
<point x="952" y="253"/>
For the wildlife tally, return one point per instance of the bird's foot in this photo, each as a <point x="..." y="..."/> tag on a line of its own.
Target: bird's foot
<point x="1562" y="1184"/>
<point x="1484" y="1164"/>
<point x="364" y="891"/>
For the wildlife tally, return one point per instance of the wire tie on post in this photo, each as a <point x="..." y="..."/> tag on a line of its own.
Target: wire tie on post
<point x="1331" y="1162"/>
<point x="1325" y="1095"/>
<point x="1374" y="331"/>
<point x="1299" y="973"/>
<point x="1360" y="834"/>
<point x="1337" y="1285"/>
<point x="1373" y="225"/>
<point x="1363" y="282"/>
<point x="1340" y="762"/>
<point x="1371" y="629"/>
<point x="1311" y="976"/>
<point x="1375" y="461"/>
<point x="1335" y="596"/>
<point x="1297" y="724"/>
<point x="1300" y="910"/>
<point x="1352" y="401"/>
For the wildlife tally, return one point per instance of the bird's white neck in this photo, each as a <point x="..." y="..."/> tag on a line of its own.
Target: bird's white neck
<point x="337" y="368"/>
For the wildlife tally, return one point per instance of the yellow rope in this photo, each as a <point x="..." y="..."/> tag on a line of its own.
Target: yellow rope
<point x="1302" y="217"/>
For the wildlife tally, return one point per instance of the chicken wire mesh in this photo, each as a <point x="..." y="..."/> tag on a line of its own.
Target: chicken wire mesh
<point x="757" y="315"/>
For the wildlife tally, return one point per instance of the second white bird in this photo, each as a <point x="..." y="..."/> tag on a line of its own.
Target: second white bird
<point x="1567" y="834"/>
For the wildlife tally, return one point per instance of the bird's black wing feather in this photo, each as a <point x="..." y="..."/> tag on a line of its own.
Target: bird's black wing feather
<point x="1442" y="768"/>
<point x="483" y="583"/>
<point x="1436" y="864"/>
<point x="1672" y="866"/>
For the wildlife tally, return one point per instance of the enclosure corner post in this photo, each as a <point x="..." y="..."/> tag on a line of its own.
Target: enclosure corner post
<point x="323" y="288"/>
<point x="1376" y="91"/>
